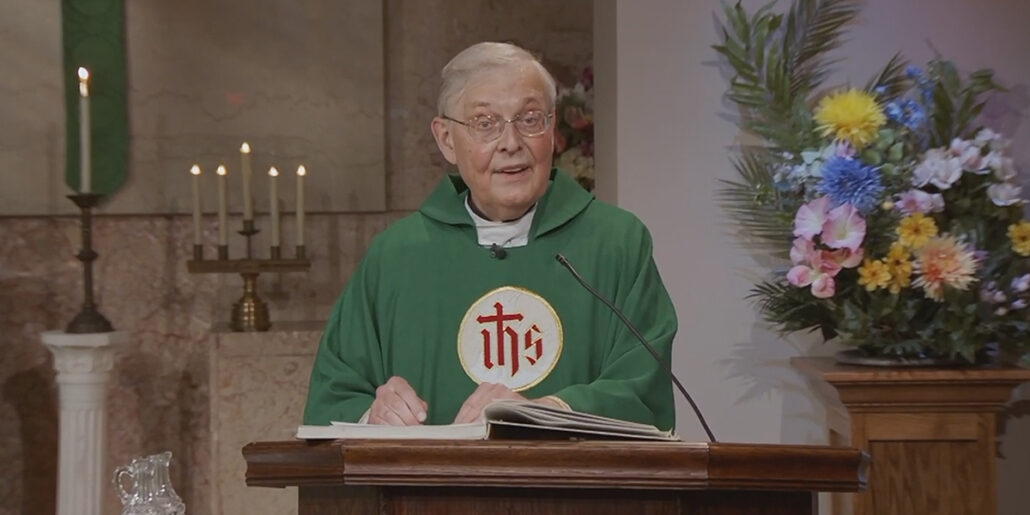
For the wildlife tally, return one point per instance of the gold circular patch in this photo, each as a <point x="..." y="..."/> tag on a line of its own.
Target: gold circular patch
<point x="510" y="336"/>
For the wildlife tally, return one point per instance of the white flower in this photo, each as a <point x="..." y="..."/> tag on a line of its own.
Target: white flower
<point x="919" y="201"/>
<point x="1004" y="168"/>
<point x="575" y="163"/>
<point x="1005" y="194"/>
<point x="972" y="161"/>
<point x="1021" y="283"/>
<point x="959" y="146"/>
<point x="938" y="169"/>
<point x="986" y="136"/>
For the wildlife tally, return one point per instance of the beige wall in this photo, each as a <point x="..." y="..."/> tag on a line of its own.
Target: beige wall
<point x="673" y="135"/>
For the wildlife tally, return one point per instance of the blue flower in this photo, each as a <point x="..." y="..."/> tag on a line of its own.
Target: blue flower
<point x="907" y="112"/>
<point x="848" y="181"/>
<point x="913" y="72"/>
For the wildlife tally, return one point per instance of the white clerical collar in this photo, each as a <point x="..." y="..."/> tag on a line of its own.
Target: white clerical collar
<point x="506" y="234"/>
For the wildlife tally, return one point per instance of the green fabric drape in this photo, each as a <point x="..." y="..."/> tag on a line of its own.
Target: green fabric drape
<point x="93" y="35"/>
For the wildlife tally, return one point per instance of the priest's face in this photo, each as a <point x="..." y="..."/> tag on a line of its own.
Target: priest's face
<point x="503" y="152"/>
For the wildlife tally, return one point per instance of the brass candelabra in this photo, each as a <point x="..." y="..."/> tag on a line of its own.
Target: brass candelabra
<point x="249" y="313"/>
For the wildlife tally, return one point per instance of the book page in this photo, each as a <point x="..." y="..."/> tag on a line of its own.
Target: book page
<point x="347" y="430"/>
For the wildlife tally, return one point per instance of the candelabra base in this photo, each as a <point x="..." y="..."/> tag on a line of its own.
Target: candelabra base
<point x="250" y="313"/>
<point x="89" y="321"/>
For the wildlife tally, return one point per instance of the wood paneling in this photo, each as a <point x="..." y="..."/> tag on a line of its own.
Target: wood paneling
<point x="563" y="477"/>
<point x="930" y="433"/>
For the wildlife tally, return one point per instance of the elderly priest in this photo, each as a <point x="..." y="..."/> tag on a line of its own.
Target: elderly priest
<point x="462" y="302"/>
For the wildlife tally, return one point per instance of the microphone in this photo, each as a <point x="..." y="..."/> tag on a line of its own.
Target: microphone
<point x="497" y="251"/>
<point x="665" y="368"/>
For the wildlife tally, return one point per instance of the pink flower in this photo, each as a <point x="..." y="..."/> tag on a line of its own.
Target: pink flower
<point x="803" y="251"/>
<point x="817" y="268"/>
<point x="810" y="218"/>
<point x="843" y="258"/>
<point x="822" y="282"/>
<point x="576" y="118"/>
<point x="844" y="228"/>
<point x="559" y="142"/>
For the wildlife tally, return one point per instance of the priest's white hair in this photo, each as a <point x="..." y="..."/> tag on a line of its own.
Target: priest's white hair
<point x="481" y="57"/>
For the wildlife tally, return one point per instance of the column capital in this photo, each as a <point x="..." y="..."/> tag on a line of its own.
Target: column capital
<point x="91" y="353"/>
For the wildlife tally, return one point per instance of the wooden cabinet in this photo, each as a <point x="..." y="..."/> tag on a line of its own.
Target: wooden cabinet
<point x="929" y="431"/>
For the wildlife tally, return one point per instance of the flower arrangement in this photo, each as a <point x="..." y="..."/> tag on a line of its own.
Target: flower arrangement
<point x="899" y="214"/>
<point x="574" y="137"/>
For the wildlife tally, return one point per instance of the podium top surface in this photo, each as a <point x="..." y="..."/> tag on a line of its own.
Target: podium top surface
<point x="556" y="464"/>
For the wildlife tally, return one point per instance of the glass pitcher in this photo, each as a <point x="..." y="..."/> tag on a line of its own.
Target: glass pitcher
<point x="145" y="488"/>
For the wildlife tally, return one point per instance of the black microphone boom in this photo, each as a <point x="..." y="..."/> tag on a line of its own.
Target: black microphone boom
<point x="667" y="368"/>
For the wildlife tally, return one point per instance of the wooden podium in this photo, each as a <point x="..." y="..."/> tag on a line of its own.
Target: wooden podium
<point x="430" y="477"/>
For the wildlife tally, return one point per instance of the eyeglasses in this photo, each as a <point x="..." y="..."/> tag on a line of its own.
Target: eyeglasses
<point x="486" y="128"/>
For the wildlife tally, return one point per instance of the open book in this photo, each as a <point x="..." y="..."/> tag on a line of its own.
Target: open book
<point x="502" y="420"/>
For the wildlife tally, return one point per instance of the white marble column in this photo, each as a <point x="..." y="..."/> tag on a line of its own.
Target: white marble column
<point x="83" y="363"/>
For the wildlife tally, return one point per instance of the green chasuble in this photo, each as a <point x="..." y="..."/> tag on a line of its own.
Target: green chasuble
<point x="429" y="304"/>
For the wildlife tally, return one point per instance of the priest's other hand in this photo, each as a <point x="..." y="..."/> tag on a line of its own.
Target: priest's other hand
<point x="486" y="393"/>
<point x="397" y="404"/>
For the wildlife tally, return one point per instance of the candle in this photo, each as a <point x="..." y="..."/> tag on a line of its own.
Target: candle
<point x="195" y="170"/>
<point x="273" y="199"/>
<point x="301" y="172"/>
<point x="223" y="215"/>
<point x="84" y="135"/>
<point x="248" y="201"/>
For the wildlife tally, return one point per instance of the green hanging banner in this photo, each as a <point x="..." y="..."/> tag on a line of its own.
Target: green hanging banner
<point x="93" y="33"/>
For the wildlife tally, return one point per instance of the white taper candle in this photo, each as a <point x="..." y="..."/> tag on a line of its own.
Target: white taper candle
<point x="195" y="171"/>
<point x="85" y="166"/>
<point x="273" y="200"/>
<point x="248" y="199"/>
<point x="301" y="172"/>
<point x="223" y="209"/>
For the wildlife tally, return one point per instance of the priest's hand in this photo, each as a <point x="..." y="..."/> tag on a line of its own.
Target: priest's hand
<point x="397" y="404"/>
<point x="486" y="393"/>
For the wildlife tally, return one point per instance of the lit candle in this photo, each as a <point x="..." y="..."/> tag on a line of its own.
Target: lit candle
<point x="248" y="200"/>
<point x="195" y="170"/>
<point x="301" y="172"/>
<point x="273" y="199"/>
<point x="84" y="135"/>
<point x="223" y="215"/>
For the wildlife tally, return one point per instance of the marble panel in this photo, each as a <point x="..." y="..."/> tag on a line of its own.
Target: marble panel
<point x="259" y="384"/>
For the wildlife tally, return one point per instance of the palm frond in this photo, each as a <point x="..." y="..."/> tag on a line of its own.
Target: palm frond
<point x="814" y="28"/>
<point x="754" y="202"/>
<point x="891" y="79"/>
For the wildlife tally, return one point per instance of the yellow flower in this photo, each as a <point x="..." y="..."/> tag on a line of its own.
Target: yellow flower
<point x="873" y="274"/>
<point x="852" y="116"/>
<point x="901" y="276"/>
<point x="1019" y="233"/>
<point x="915" y="230"/>
<point x="944" y="262"/>
<point x="898" y="255"/>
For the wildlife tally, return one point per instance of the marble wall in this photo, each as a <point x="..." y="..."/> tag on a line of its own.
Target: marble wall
<point x="159" y="397"/>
